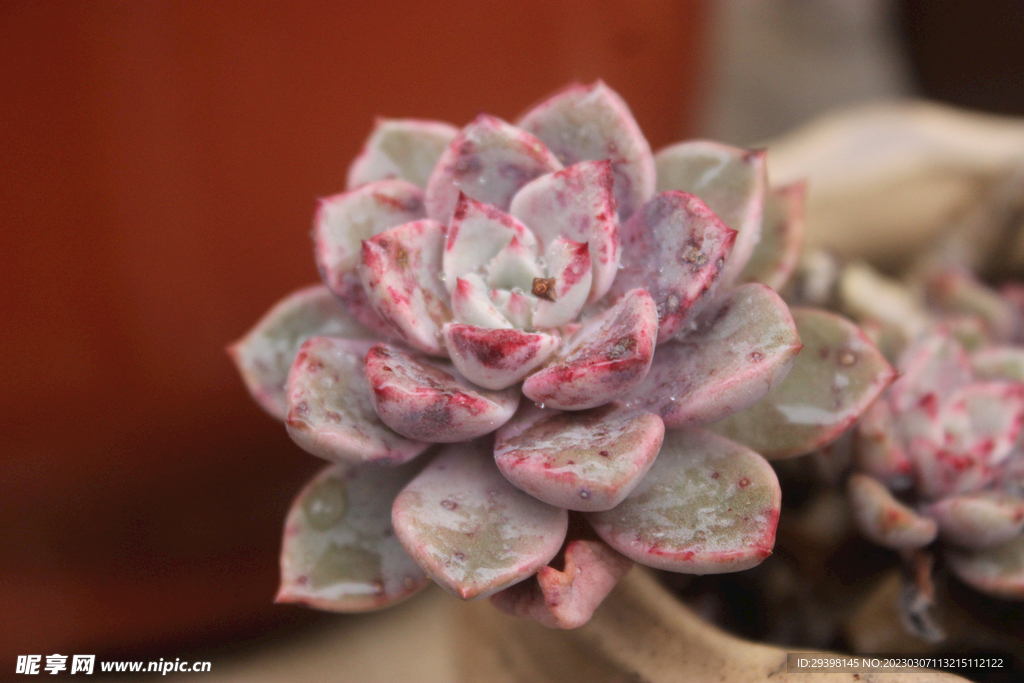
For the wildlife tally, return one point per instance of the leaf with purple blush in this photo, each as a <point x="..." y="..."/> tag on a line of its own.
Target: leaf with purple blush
<point x="978" y="520"/>
<point x="497" y="358"/>
<point x="400" y="270"/>
<point x="588" y="460"/>
<point x="592" y="123"/>
<point x="605" y="359"/>
<point x="730" y="180"/>
<point x="708" y="506"/>
<point x="834" y="378"/>
<point x="566" y="599"/>
<point x="266" y="353"/>
<point x="341" y="224"/>
<point x="996" y="571"/>
<point x="885" y="520"/>
<point x="330" y="406"/>
<point x="782" y="236"/>
<point x="469" y="529"/>
<point x="424" y="399"/>
<point x="489" y="160"/>
<point x="740" y="350"/>
<point x="675" y="248"/>
<point x="340" y="552"/>
<point x="578" y="204"/>
<point x="401" y="148"/>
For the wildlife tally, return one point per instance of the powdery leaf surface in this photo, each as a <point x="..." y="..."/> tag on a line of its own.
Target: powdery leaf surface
<point x="341" y="224"/>
<point x="884" y="520"/>
<point x="708" y="506"/>
<point x="730" y="180"/>
<point x="588" y="460"/>
<point x="470" y="529"/>
<point x="477" y="234"/>
<point x="577" y="204"/>
<point x="592" y="123"/>
<point x="340" y="552"/>
<point x="675" y="248"/>
<point x="424" y="399"/>
<point x="978" y="520"/>
<point x="739" y="351"/>
<point x="330" y="407"/>
<point x="266" y="353"/>
<point x="566" y="599"/>
<point x="497" y="358"/>
<point x="489" y="160"/>
<point x="834" y="378"/>
<point x="607" y="357"/>
<point x="400" y="270"/>
<point x="782" y="237"/>
<point x="401" y="148"/>
<point x="998" y="571"/>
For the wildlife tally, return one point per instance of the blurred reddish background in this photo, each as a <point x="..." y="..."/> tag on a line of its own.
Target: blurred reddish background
<point x="160" y="165"/>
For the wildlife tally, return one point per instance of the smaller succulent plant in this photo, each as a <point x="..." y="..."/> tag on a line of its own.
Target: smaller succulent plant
<point x="590" y="333"/>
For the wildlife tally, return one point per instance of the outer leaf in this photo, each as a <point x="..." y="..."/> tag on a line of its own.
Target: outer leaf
<point x="730" y="180"/>
<point x="606" y="358"/>
<point x="708" y="506"/>
<point x="401" y="148"/>
<point x="577" y="204"/>
<point x="330" y="407"/>
<point x="998" y="571"/>
<point x="340" y="552"/>
<point x="264" y="355"/>
<point x="343" y="221"/>
<point x="489" y="160"/>
<point x="497" y="359"/>
<point x="472" y="531"/>
<point x="566" y="599"/>
<point x="782" y="236"/>
<point x="400" y="270"/>
<point x="423" y="399"/>
<point x="675" y="248"/>
<point x="739" y="351"/>
<point x="978" y="520"/>
<point x="834" y="379"/>
<point x="885" y="520"/>
<point x="591" y="122"/>
<point x="588" y="460"/>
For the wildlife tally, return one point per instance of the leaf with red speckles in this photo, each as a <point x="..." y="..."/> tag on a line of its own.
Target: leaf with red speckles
<point x="996" y="571"/>
<point x="265" y="354"/>
<point x="730" y="180"/>
<point x="782" y="236"/>
<point x="400" y="270"/>
<point x="708" y="506"/>
<point x="606" y="358"/>
<point x="978" y="520"/>
<point x="489" y="160"/>
<point x="340" y="552"/>
<point x="568" y="266"/>
<point x="884" y="520"/>
<point x="675" y="248"/>
<point x="330" y="406"/>
<point x="424" y="399"/>
<point x="592" y="123"/>
<point x="343" y="221"/>
<point x="566" y="599"/>
<point x="980" y="424"/>
<point x="740" y="350"/>
<point x="401" y="148"/>
<point x="588" y="460"/>
<point x="469" y="529"/>
<point x="879" y="450"/>
<point x="577" y="204"/>
<point x="931" y="368"/>
<point x="834" y="378"/>
<point x="497" y="358"/>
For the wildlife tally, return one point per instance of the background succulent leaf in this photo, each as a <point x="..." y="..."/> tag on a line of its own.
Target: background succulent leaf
<point x="977" y="521"/>
<point x="401" y="148"/>
<point x="885" y="520"/>
<point x="782" y="235"/>
<point x="997" y="571"/>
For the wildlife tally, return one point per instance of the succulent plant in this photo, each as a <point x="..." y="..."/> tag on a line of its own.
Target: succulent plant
<point x="590" y="333"/>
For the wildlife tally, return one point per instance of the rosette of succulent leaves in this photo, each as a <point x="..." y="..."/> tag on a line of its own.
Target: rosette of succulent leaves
<point x="542" y="353"/>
